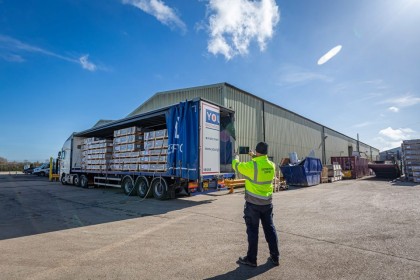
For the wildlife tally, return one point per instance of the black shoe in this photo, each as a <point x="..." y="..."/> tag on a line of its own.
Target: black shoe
<point x="244" y="260"/>
<point x="274" y="260"/>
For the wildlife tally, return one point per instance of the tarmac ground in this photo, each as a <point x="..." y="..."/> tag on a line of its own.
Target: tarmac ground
<point x="354" y="229"/>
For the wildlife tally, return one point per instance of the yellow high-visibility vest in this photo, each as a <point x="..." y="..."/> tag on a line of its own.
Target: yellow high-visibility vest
<point x="259" y="174"/>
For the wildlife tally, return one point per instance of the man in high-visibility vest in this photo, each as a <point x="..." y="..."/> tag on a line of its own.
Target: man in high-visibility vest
<point x="259" y="174"/>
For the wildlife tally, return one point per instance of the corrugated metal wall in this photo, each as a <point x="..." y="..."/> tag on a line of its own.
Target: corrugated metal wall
<point x="287" y="132"/>
<point x="337" y="144"/>
<point x="248" y="118"/>
<point x="255" y="119"/>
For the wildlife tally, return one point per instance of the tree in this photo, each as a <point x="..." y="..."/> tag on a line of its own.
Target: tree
<point x="3" y="160"/>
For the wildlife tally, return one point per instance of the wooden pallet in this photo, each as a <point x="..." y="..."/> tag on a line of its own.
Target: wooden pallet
<point x="334" y="179"/>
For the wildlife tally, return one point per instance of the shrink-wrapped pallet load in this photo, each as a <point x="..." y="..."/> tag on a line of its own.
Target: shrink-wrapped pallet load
<point x="97" y="154"/>
<point x="135" y="150"/>
<point x="128" y="143"/>
<point x="411" y="159"/>
<point x="154" y="156"/>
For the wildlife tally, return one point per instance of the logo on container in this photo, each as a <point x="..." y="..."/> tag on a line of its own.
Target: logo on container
<point x="212" y="119"/>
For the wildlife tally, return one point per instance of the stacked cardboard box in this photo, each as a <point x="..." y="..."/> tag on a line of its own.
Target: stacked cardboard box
<point x="128" y="142"/>
<point x="154" y="156"/>
<point x="334" y="172"/>
<point x="97" y="154"/>
<point x="411" y="159"/>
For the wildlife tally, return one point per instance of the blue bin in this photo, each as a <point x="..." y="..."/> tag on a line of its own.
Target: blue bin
<point x="306" y="173"/>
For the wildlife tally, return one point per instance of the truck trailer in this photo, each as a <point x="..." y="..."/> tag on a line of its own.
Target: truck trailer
<point x="184" y="148"/>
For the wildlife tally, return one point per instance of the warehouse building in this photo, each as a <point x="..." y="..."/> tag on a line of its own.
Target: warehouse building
<point x="259" y="120"/>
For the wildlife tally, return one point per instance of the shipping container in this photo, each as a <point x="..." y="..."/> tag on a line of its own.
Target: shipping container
<point x="357" y="166"/>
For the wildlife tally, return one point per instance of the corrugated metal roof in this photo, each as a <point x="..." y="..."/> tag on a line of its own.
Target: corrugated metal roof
<point x="102" y="122"/>
<point x="177" y="91"/>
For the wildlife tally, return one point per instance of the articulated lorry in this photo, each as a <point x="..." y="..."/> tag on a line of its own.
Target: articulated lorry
<point x="184" y="148"/>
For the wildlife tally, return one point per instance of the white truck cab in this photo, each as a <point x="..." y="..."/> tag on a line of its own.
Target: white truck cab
<point x="70" y="158"/>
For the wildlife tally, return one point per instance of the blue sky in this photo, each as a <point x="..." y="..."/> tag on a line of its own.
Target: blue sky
<point x="65" y="64"/>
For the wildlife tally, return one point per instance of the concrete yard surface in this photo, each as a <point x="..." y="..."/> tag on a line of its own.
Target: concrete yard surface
<point x="355" y="229"/>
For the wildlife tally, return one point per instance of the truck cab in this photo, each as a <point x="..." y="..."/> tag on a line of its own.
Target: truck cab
<point x="70" y="158"/>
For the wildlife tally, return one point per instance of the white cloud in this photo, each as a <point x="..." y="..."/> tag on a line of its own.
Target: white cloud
<point x="234" y="24"/>
<point x="86" y="64"/>
<point x="390" y="138"/>
<point x="385" y="144"/>
<point x="160" y="11"/>
<point x="12" y="57"/>
<point x="393" y="109"/>
<point x="397" y="134"/>
<point x="12" y="49"/>
<point x="403" y="101"/>
<point x="12" y="46"/>
<point x="330" y="54"/>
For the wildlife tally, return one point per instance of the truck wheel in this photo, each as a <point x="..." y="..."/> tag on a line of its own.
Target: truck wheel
<point x="84" y="182"/>
<point x="76" y="180"/>
<point x="142" y="186"/>
<point x="160" y="188"/>
<point x="128" y="185"/>
<point x="63" y="179"/>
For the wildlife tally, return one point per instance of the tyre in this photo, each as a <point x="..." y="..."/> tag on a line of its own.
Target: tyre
<point x="63" y="179"/>
<point x="42" y="174"/>
<point x="160" y="188"/>
<point x="127" y="185"/>
<point x="84" y="182"/>
<point x="142" y="187"/>
<point x="76" y="180"/>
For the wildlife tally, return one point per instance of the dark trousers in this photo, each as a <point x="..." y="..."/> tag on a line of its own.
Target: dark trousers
<point x="253" y="214"/>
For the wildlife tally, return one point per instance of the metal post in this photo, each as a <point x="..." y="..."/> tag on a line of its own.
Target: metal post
<point x="324" y="154"/>
<point x="51" y="168"/>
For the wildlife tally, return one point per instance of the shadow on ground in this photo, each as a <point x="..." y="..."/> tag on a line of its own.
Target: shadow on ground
<point x="33" y="205"/>
<point x="244" y="272"/>
<point x="401" y="182"/>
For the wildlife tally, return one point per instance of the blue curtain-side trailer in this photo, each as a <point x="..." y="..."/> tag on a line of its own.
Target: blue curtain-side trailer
<point x="185" y="148"/>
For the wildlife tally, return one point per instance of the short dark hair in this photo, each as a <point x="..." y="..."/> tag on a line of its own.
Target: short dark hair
<point x="262" y="148"/>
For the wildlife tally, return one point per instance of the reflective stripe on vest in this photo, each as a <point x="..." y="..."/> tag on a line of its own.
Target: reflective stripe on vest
<point x="258" y="196"/>
<point x="255" y="180"/>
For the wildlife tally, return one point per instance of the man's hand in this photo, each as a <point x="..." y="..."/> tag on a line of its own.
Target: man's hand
<point x="251" y="154"/>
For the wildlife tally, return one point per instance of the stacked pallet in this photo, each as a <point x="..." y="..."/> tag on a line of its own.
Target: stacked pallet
<point x="411" y="159"/>
<point x="324" y="175"/>
<point x="97" y="154"/>
<point x="334" y="172"/>
<point x="128" y="143"/>
<point x="154" y="156"/>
